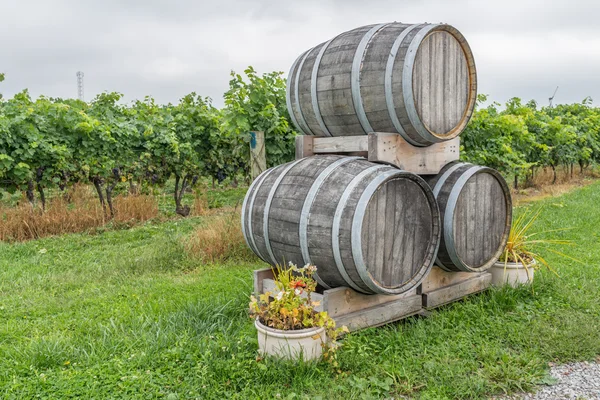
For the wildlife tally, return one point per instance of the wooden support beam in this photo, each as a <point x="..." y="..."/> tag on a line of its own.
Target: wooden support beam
<point x="447" y="294"/>
<point x="391" y="148"/>
<point x="357" y="311"/>
<point x="342" y="300"/>
<point x="438" y="278"/>
<point x="259" y="276"/>
<point x="382" y="147"/>
<point x="381" y="314"/>
<point x="345" y="144"/>
<point x="258" y="155"/>
<point x="304" y="146"/>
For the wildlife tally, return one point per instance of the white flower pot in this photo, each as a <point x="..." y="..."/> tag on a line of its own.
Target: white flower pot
<point x="291" y="344"/>
<point x="511" y="273"/>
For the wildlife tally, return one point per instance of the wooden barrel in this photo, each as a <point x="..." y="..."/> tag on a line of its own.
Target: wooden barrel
<point x="370" y="227"/>
<point x="417" y="80"/>
<point x="476" y="214"/>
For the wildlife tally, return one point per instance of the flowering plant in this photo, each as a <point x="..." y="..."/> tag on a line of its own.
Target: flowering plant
<point x="292" y="308"/>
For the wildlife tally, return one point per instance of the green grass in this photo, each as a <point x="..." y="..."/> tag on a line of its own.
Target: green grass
<point x="126" y="314"/>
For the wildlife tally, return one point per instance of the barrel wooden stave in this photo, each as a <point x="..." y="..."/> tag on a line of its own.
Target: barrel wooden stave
<point x="439" y="104"/>
<point x="329" y="178"/>
<point x="476" y="213"/>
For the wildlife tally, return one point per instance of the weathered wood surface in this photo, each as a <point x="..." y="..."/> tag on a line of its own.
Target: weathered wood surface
<point x="441" y="82"/>
<point x="456" y="291"/>
<point x="304" y="146"/>
<point x="258" y="155"/>
<point x="381" y="314"/>
<point x="383" y="147"/>
<point x="392" y="149"/>
<point x="343" y="300"/>
<point x="259" y="276"/>
<point x="438" y="278"/>
<point x="416" y="80"/>
<point x="367" y="226"/>
<point x="476" y="214"/>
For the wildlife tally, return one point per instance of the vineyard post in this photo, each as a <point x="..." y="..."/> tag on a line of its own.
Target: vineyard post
<point x="258" y="159"/>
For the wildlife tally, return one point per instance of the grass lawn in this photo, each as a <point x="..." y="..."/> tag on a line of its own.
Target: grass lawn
<point x="126" y="314"/>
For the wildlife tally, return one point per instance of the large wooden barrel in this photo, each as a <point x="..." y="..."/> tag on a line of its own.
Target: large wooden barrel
<point x="418" y="80"/>
<point x="476" y="214"/>
<point x="370" y="227"/>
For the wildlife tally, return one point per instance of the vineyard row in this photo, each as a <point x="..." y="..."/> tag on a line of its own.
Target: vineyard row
<point x="54" y="143"/>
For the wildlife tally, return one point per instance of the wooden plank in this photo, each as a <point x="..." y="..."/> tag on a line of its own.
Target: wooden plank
<point x="342" y="300"/>
<point x="341" y="144"/>
<point x="259" y="276"/>
<point x="391" y="148"/>
<point x="258" y="155"/>
<point x="381" y="314"/>
<point x="383" y="147"/>
<point x="304" y="146"/>
<point x="438" y="278"/>
<point x="456" y="291"/>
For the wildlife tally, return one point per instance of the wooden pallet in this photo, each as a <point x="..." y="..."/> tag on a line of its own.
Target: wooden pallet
<point x="441" y="287"/>
<point x="358" y="311"/>
<point x="388" y="148"/>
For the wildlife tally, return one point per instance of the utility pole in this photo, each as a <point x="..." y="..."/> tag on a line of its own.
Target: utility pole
<point x="552" y="98"/>
<point x="80" y="85"/>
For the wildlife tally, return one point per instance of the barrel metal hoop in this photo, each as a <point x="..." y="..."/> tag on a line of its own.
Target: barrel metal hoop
<point x="302" y="120"/>
<point x="436" y="190"/>
<point x="308" y="202"/>
<point x="288" y="94"/>
<point x="337" y="218"/>
<point x="268" y="208"/>
<point x="313" y="89"/>
<point x="449" y="217"/>
<point x="252" y="242"/>
<point x="357" y="224"/>
<point x="250" y="194"/>
<point x="355" y="77"/>
<point x="407" y="84"/>
<point x="389" y="95"/>
<point x="445" y="176"/>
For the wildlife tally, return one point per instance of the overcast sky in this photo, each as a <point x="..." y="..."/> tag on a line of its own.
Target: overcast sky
<point x="167" y="49"/>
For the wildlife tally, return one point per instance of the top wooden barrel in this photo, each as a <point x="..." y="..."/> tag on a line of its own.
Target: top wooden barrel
<point x="416" y="80"/>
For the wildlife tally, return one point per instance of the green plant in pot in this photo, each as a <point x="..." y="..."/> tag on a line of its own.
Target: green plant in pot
<point x="521" y="258"/>
<point x="288" y="323"/>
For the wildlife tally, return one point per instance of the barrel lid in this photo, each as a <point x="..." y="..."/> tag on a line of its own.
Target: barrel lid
<point x="481" y="218"/>
<point x="400" y="233"/>
<point x="443" y="82"/>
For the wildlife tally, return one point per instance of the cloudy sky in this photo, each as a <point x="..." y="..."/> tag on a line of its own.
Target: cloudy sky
<point x="167" y="49"/>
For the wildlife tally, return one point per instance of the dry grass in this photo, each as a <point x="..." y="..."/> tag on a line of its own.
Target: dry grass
<point x="542" y="186"/>
<point x="77" y="211"/>
<point x="218" y="240"/>
<point x="200" y="206"/>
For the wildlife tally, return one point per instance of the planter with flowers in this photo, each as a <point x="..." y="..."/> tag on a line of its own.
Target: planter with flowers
<point x="520" y="259"/>
<point x="288" y="325"/>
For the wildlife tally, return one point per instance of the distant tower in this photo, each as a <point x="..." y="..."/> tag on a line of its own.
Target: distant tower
<point x="80" y="85"/>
